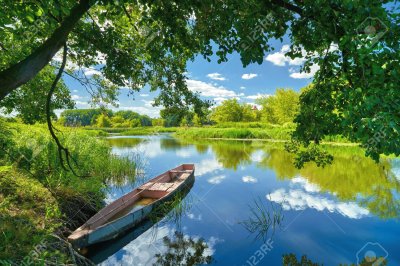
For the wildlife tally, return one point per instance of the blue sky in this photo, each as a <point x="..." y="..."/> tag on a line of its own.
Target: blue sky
<point x="218" y="81"/>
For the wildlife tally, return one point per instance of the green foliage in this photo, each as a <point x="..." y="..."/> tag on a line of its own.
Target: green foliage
<point x="280" y="108"/>
<point x="39" y="198"/>
<point x="183" y="250"/>
<point x="358" y="80"/>
<point x="158" y="122"/>
<point x="311" y="153"/>
<point x="103" y="118"/>
<point x="29" y="101"/>
<point x="232" y="111"/>
<point x="235" y="133"/>
<point x="80" y="117"/>
<point x="103" y="121"/>
<point x="291" y="260"/>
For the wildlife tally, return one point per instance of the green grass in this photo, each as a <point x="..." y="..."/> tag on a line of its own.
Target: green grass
<point x="277" y="133"/>
<point x="148" y="130"/>
<point x="38" y="198"/>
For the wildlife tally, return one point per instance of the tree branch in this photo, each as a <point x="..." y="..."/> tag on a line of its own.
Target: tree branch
<point x="288" y="6"/>
<point x="62" y="151"/>
<point x="23" y="71"/>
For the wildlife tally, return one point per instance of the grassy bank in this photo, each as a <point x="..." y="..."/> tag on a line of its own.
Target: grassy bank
<point x="148" y="130"/>
<point x="40" y="203"/>
<point x="246" y="131"/>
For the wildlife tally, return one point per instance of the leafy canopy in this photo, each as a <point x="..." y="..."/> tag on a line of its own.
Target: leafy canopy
<point x="138" y="43"/>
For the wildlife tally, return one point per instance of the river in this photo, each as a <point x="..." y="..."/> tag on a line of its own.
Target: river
<point x="250" y="206"/>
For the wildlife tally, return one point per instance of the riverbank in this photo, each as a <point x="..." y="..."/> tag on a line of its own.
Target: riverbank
<point x="232" y="131"/>
<point x="40" y="203"/>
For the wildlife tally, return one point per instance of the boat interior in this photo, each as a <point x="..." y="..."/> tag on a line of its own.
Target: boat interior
<point x="146" y="194"/>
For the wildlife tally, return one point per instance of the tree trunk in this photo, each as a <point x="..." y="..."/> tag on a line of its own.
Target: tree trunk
<point x="23" y="71"/>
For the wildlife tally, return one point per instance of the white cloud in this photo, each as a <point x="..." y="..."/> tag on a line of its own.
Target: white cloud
<point x="303" y="195"/>
<point x="209" y="90"/>
<point x="242" y="87"/>
<point x="91" y="72"/>
<point x="295" y="199"/>
<point x="258" y="95"/>
<point x="143" y="95"/>
<point x="304" y="75"/>
<point x="183" y="153"/>
<point x="81" y="104"/>
<point x="249" y="179"/>
<point x="309" y="187"/>
<point x="216" y="76"/>
<point x="207" y="166"/>
<point x="280" y="59"/>
<point x="75" y="91"/>
<point x="249" y="76"/>
<point x="148" y="103"/>
<point x="216" y="179"/>
<point x="144" y="110"/>
<point x="75" y="97"/>
<point x="192" y="216"/>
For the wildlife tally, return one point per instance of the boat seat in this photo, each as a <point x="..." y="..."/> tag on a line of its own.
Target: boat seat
<point x="146" y="186"/>
<point x="160" y="186"/>
<point x="173" y="187"/>
<point x="183" y="177"/>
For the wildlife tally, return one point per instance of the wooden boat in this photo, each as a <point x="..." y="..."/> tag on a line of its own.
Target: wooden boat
<point x="132" y="208"/>
<point x="100" y="252"/>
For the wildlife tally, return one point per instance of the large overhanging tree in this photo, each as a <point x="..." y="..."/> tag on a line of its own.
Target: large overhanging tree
<point x="354" y="42"/>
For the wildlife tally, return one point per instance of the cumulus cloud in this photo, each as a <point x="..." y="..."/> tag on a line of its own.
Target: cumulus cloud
<point x="207" y="166"/>
<point x="144" y="110"/>
<point x="304" y="75"/>
<point x="304" y="194"/>
<point x="216" y="179"/>
<point x="242" y="87"/>
<point x="256" y="96"/>
<point x="143" y="95"/>
<point x="91" y="72"/>
<point x="249" y="76"/>
<point x="216" y="76"/>
<point x="75" y="97"/>
<point x="81" y="104"/>
<point x="280" y="59"/>
<point x="183" y="153"/>
<point x="249" y="179"/>
<point x="209" y="90"/>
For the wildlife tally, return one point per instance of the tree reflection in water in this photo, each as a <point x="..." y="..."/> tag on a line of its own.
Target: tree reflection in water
<point x="291" y="260"/>
<point x="183" y="250"/>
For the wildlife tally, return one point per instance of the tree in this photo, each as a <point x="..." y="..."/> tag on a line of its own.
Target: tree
<point x="103" y="121"/>
<point x="248" y="114"/>
<point x="158" y="122"/>
<point x="82" y="117"/>
<point x="228" y="111"/>
<point x="280" y="108"/>
<point x="355" y="45"/>
<point x="29" y="101"/>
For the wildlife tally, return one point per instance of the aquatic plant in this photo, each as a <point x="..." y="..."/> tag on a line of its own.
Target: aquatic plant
<point x="264" y="218"/>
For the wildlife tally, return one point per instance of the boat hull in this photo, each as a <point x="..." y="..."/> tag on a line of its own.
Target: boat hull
<point x="117" y="227"/>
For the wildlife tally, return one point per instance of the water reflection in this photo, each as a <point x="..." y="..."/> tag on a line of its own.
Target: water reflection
<point x="264" y="219"/>
<point x="169" y="212"/>
<point x="354" y="192"/>
<point x="183" y="250"/>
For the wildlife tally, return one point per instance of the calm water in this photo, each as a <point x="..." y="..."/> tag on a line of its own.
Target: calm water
<point x="329" y="214"/>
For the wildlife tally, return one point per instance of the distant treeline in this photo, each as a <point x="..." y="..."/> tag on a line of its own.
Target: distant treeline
<point x="278" y="109"/>
<point x="103" y="118"/>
